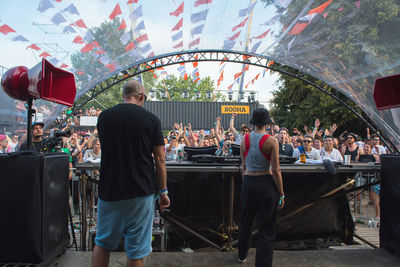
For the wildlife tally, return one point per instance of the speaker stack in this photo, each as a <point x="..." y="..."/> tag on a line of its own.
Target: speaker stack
<point x="390" y="203"/>
<point x="33" y="207"/>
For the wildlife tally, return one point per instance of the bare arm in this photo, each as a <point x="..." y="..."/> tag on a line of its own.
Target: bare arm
<point x="161" y="170"/>
<point x="217" y="129"/>
<point x="232" y="124"/>
<point x="242" y="153"/>
<point x="316" y="126"/>
<point x="275" y="167"/>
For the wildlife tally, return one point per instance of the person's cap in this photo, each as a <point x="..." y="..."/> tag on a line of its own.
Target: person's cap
<point x="283" y="129"/>
<point x="353" y="135"/>
<point x="261" y="117"/>
<point x="3" y="137"/>
<point x="38" y="123"/>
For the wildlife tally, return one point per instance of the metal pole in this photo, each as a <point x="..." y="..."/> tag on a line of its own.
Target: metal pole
<point x="231" y="198"/>
<point x="83" y="211"/>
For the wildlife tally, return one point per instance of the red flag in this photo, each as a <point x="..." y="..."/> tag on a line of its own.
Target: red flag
<point x="221" y="78"/>
<point x="255" y="78"/>
<point x="195" y="81"/>
<point x="245" y="57"/>
<point x="33" y="46"/>
<point x="95" y="44"/>
<point x="247" y="84"/>
<point x="225" y="58"/>
<point x="195" y="64"/>
<point x="320" y="8"/>
<point x="80" y="24"/>
<point x="178" y="45"/>
<point x="122" y="25"/>
<point x="63" y="66"/>
<point x="78" y="40"/>
<point x="195" y="42"/>
<point x="185" y="76"/>
<point x="142" y="38"/>
<point x="246" y="67"/>
<point x="4" y="29"/>
<point x="178" y="11"/>
<point x="202" y="2"/>
<point x="99" y="52"/>
<point x="237" y="75"/>
<point x="235" y="36"/>
<point x="80" y="73"/>
<point x="262" y="35"/>
<point x="298" y="28"/>
<point x="111" y="67"/>
<point x="130" y="46"/>
<point x="151" y="54"/>
<point x="230" y="86"/>
<point x="115" y="12"/>
<point x="87" y="48"/>
<point x="241" y="24"/>
<point x="44" y="55"/>
<point x="178" y="25"/>
<point x="271" y="63"/>
<point x="132" y="2"/>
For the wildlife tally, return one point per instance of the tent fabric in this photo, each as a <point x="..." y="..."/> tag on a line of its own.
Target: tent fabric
<point x="347" y="44"/>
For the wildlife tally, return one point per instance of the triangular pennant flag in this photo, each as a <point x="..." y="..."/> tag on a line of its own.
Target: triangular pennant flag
<point x="151" y="54"/>
<point x="185" y="76"/>
<point x="132" y="2"/>
<point x="237" y="75"/>
<point x="137" y="13"/>
<point x="145" y="49"/>
<point x="273" y="20"/>
<point x="178" y="11"/>
<point x="195" y="81"/>
<point x="202" y="2"/>
<point x="88" y="37"/>
<point x="44" y="55"/>
<point x="235" y="36"/>
<point x="122" y="25"/>
<point x="139" y="27"/>
<point x="246" y="68"/>
<point x="241" y="24"/>
<point x="194" y="42"/>
<point x="116" y="11"/>
<point x="69" y="29"/>
<point x="320" y="8"/>
<point x="142" y="38"/>
<point x="78" y="40"/>
<point x="178" y="45"/>
<point x="87" y="48"/>
<point x="5" y="29"/>
<point x="64" y="66"/>
<point x="228" y="44"/>
<point x="125" y="38"/>
<point x="247" y="11"/>
<point x="58" y="19"/>
<point x="80" y="24"/>
<point x="230" y="86"/>
<point x="298" y="28"/>
<point x="221" y="78"/>
<point x="130" y="46"/>
<point x="111" y="67"/>
<point x="54" y="61"/>
<point x="283" y="3"/>
<point x="19" y="38"/>
<point x="178" y="25"/>
<point x="262" y="35"/>
<point x="255" y="47"/>
<point x="177" y="36"/>
<point x="197" y="30"/>
<point x="44" y="5"/>
<point x="196" y="17"/>
<point x="71" y="9"/>
<point x="34" y="47"/>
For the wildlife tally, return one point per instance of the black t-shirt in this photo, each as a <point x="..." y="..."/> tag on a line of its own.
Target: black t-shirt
<point x="36" y="146"/>
<point x="127" y="134"/>
<point x="285" y="149"/>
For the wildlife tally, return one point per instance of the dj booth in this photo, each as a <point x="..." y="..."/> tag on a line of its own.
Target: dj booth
<point x="205" y="201"/>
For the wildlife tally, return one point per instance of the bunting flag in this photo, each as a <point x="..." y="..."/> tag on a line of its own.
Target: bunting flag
<point x="177" y="36"/>
<point x="272" y="21"/>
<point x="247" y="11"/>
<point x="44" y="5"/>
<point x="270" y="64"/>
<point x="122" y="25"/>
<point x="115" y="12"/>
<point x="197" y="80"/>
<point x="309" y="17"/>
<point x="195" y="72"/>
<point x="185" y="76"/>
<point x="255" y="47"/>
<point x="195" y="63"/>
<point x="230" y="86"/>
<point x="78" y="40"/>
<point x="196" y="17"/>
<point x="197" y="30"/>
<point x="178" y="45"/>
<point x="145" y="49"/>
<point x="95" y="44"/>
<point x="5" y="29"/>
<point x="139" y="27"/>
<point x="283" y="3"/>
<point x="44" y="55"/>
<point x="80" y="73"/>
<point x="88" y="37"/>
<point x="80" y="24"/>
<point x="69" y="29"/>
<point x="228" y="44"/>
<point x="178" y="25"/>
<point x="137" y="13"/>
<point x="100" y="52"/>
<point x="87" y="48"/>
<point x="111" y="67"/>
<point x="237" y="75"/>
<point x="71" y="9"/>
<point x="194" y="42"/>
<point x="34" y="47"/>
<point x="298" y="28"/>
<point x="132" y="2"/>
<point x="246" y="68"/>
<point x="54" y="61"/>
<point x="64" y="66"/>
<point x="241" y="24"/>
<point x="235" y="36"/>
<point x="181" y="68"/>
<point x="221" y="78"/>
<point x="130" y="46"/>
<point x="19" y="38"/>
<point x="142" y="38"/>
<point x="58" y="19"/>
<point x="261" y="36"/>
<point x="202" y="2"/>
<point x="178" y="11"/>
<point x="320" y="8"/>
<point x="125" y="38"/>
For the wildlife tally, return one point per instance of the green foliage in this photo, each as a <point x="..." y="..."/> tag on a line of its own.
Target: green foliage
<point x="180" y="89"/>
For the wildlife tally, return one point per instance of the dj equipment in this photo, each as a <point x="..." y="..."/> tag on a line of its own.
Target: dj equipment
<point x="390" y="198"/>
<point x="204" y="158"/>
<point x="33" y="206"/>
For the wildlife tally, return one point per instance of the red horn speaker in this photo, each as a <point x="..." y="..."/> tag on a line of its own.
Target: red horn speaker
<point x="43" y="81"/>
<point x="387" y="92"/>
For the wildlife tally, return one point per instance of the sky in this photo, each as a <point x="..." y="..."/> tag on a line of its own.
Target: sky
<point x="222" y="17"/>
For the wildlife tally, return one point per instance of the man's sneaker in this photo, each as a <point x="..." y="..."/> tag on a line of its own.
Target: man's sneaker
<point x="240" y="260"/>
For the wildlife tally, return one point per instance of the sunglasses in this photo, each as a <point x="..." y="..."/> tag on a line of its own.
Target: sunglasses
<point x="143" y="94"/>
<point x="350" y="137"/>
<point x="230" y="135"/>
<point x="307" y="141"/>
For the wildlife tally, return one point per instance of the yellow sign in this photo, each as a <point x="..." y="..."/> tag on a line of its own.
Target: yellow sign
<point x="235" y="109"/>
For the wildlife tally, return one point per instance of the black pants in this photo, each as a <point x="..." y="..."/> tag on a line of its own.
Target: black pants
<point x="259" y="200"/>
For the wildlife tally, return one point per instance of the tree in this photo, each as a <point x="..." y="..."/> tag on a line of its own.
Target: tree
<point x="180" y="89"/>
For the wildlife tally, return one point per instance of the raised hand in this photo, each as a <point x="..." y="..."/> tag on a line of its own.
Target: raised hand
<point x="333" y="128"/>
<point x="317" y="123"/>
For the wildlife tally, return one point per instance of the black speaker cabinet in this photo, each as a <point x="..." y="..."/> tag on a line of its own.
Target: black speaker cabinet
<point x="390" y="203"/>
<point x="33" y="206"/>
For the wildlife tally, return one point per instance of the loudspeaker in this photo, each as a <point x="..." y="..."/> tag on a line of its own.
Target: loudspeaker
<point x="390" y="203"/>
<point x="42" y="81"/>
<point x="33" y="206"/>
<point x="386" y="92"/>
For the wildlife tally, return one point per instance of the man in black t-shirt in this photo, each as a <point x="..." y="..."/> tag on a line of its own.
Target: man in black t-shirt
<point x="37" y="138"/>
<point x="129" y="136"/>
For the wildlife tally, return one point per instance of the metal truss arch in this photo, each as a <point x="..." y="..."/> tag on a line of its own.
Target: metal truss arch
<point x="164" y="60"/>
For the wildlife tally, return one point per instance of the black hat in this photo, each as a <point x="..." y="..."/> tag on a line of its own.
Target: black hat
<point x="261" y="117"/>
<point x="38" y="123"/>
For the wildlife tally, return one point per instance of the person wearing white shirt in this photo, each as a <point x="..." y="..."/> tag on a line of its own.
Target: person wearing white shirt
<point x="329" y="152"/>
<point x="311" y="153"/>
<point x="376" y="147"/>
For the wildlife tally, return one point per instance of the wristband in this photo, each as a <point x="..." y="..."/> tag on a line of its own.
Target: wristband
<point x="163" y="192"/>
<point x="282" y="197"/>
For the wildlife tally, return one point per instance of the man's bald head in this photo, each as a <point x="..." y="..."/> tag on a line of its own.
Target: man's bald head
<point x="134" y="92"/>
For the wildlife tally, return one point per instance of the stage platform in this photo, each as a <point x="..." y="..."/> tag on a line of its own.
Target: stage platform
<point x="347" y="256"/>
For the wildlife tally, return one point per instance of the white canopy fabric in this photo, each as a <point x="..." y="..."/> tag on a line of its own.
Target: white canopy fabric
<point x="347" y="44"/>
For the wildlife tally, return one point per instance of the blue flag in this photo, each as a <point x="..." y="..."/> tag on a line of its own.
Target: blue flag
<point x="71" y="9"/>
<point x="19" y="38"/>
<point x="68" y="29"/>
<point x="197" y="30"/>
<point x="58" y="18"/>
<point x="177" y="36"/>
<point x="44" y="5"/>
<point x="196" y="17"/>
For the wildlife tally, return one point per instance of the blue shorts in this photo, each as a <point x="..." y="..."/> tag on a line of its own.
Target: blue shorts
<point x="130" y="218"/>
